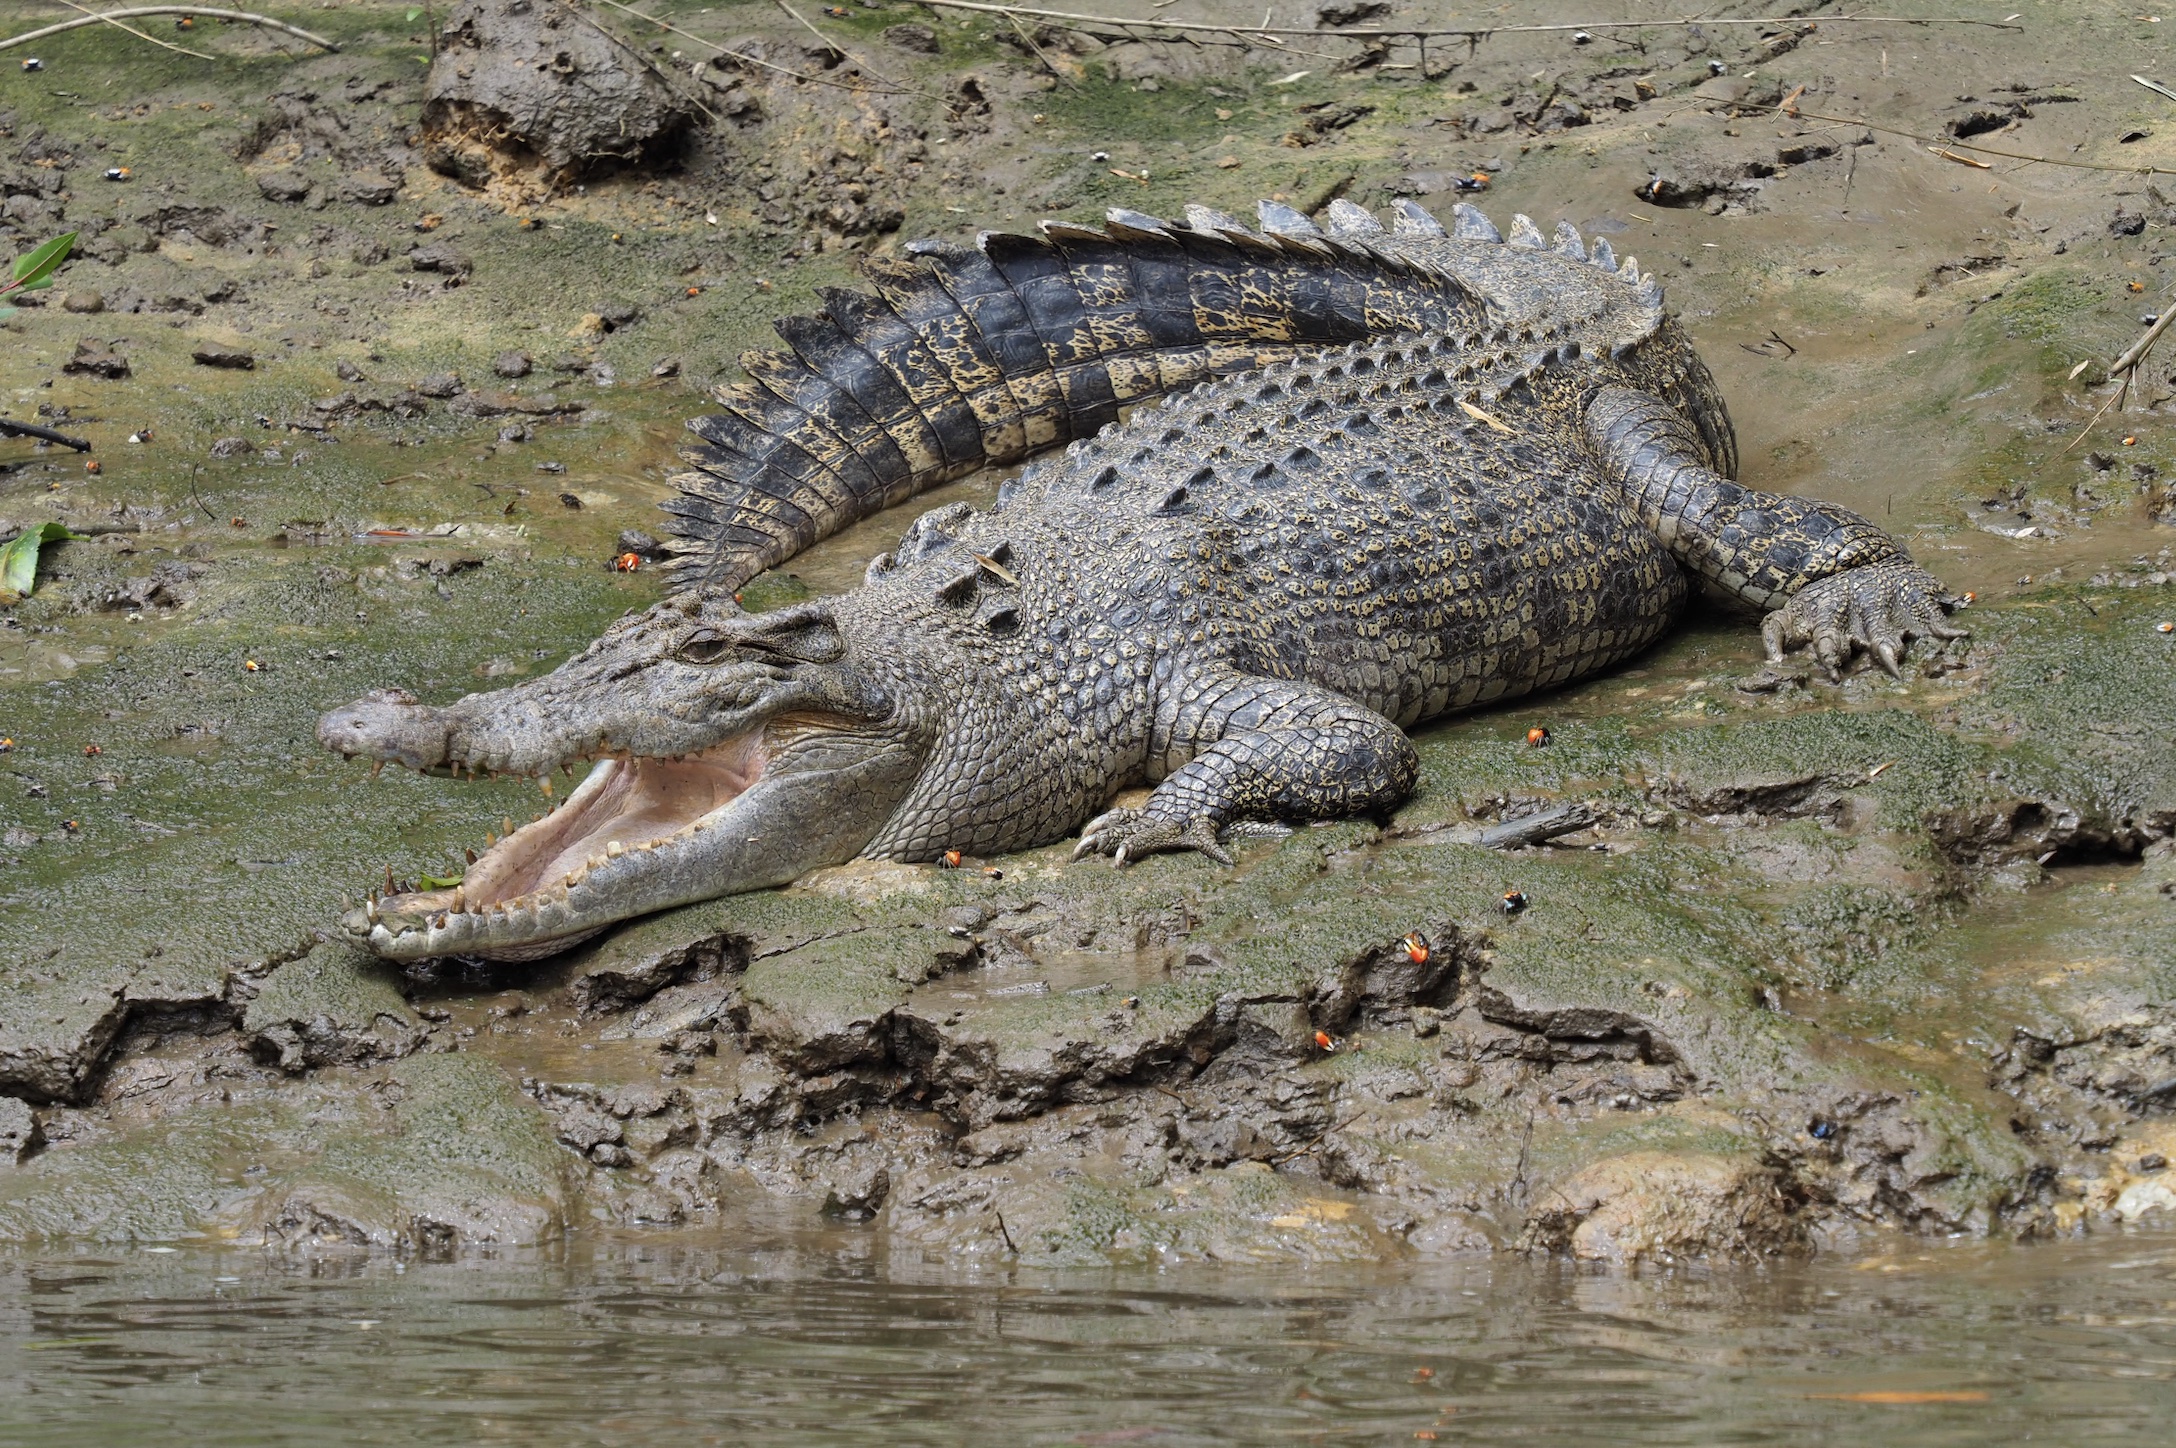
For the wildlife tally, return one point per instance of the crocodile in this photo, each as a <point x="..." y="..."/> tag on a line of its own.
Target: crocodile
<point x="1318" y="484"/>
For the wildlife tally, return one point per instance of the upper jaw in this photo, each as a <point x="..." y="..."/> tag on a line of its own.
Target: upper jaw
<point x="632" y="839"/>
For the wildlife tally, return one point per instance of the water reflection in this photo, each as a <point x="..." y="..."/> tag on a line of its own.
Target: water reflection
<point x="792" y="1342"/>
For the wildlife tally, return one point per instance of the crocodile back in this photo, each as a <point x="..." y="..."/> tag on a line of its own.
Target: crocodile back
<point x="963" y="358"/>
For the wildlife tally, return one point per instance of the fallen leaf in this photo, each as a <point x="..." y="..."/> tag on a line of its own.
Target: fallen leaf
<point x="19" y="560"/>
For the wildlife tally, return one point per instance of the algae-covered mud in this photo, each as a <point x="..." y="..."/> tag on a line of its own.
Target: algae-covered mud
<point x="379" y="395"/>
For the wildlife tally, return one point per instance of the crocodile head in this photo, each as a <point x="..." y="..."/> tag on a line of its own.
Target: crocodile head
<point x="733" y="752"/>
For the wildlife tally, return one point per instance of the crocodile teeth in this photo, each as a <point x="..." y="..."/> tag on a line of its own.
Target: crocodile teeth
<point x="1569" y="242"/>
<point x="1412" y="219"/>
<point x="1527" y="236"/>
<point x="613" y="849"/>
<point x="1281" y="220"/>
<point x="1468" y="224"/>
<point x="1350" y="219"/>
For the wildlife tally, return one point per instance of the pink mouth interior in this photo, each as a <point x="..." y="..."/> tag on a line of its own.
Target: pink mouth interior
<point x="628" y="802"/>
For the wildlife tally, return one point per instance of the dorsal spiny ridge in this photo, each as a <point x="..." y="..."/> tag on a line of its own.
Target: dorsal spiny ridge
<point x="1525" y="235"/>
<point x="1569" y="242"/>
<point x="1279" y="219"/>
<point x="1410" y="218"/>
<point x="1208" y="218"/>
<point x="1468" y="224"/>
<point x="1348" y="218"/>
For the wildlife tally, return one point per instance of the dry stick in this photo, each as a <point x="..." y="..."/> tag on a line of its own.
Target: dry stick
<point x="646" y="63"/>
<point x="860" y="60"/>
<point x="1268" y="32"/>
<point x="107" y="17"/>
<point x="717" y="49"/>
<point x="132" y="30"/>
<point x="1048" y="64"/>
<point x="1983" y="150"/>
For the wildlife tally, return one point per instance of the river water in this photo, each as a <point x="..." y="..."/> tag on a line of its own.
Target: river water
<point x="810" y="1342"/>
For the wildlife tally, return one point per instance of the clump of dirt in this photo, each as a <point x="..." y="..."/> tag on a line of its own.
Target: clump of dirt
<point x="527" y="97"/>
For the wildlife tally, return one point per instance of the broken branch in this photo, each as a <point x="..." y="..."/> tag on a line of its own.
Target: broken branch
<point x="109" y="17"/>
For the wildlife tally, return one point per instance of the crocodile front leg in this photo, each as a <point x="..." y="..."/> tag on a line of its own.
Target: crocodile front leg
<point x="1264" y="749"/>
<point x="1831" y="578"/>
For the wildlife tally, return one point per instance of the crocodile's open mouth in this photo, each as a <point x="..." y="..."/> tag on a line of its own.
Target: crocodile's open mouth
<point x="625" y="833"/>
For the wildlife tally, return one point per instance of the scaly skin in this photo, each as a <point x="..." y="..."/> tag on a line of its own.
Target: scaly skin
<point x="1391" y="476"/>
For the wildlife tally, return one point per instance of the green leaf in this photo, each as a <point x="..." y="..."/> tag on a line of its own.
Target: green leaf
<point x="437" y="882"/>
<point x="38" y="265"/>
<point x="19" y="560"/>
<point x="414" y="16"/>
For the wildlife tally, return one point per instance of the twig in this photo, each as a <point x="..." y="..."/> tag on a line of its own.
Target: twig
<point x="859" y="60"/>
<point x="1027" y="38"/>
<point x="2129" y="361"/>
<point x="1267" y="31"/>
<point x="132" y="30"/>
<point x="646" y="63"/>
<point x="107" y="17"/>
<point x="2155" y="86"/>
<point x="194" y="469"/>
<point x="746" y="59"/>
<point x="43" y="434"/>
<point x="1861" y="122"/>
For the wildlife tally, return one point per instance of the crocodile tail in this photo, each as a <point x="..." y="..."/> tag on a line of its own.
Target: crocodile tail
<point x="964" y="357"/>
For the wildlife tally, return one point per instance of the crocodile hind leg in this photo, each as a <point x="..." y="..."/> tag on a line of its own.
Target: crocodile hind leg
<point x="1829" y="577"/>
<point x="1264" y="749"/>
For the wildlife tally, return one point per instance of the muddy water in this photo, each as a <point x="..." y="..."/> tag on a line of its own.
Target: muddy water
<point x="811" y="1341"/>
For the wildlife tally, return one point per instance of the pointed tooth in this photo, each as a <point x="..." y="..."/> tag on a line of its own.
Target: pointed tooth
<point x="1569" y="242"/>
<point x="613" y="849"/>
<point x="460" y="900"/>
<point x="545" y="784"/>
<point x="1351" y="219"/>
<point x="471" y="856"/>
<point x="595" y="862"/>
<point x="1281" y="220"/>
<point x="1525" y="235"/>
<point x="506" y="824"/>
<point x="389" y="881"/>
<point x="1604" y="255"/>
<point x="1468" y="224"/>
<point x="1412" y="219"/>
<point x="377" y="767"/>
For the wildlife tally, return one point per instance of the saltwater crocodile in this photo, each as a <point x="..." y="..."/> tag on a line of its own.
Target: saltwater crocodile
<point x="1371" y="476"/>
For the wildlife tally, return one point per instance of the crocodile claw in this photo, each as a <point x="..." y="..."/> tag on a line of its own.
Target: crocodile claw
<point x="1128" y="834"/>
<point x="1879" y="608"/>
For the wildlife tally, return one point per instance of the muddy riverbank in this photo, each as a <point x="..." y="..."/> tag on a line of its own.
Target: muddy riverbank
<point x="1830" y="965"/>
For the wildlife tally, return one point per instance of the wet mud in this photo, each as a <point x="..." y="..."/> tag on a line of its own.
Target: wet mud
<point x="1786" y="966"/>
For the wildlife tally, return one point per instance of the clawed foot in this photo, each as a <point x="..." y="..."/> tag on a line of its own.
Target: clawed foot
<point x="1128" y="834"/>
<point x="1880" y="608"/>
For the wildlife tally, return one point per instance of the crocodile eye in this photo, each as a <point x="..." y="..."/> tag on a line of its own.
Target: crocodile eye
<point x="703" y="647"/>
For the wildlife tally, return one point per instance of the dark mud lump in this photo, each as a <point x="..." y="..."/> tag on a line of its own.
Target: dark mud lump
<point x="527" y="96"/>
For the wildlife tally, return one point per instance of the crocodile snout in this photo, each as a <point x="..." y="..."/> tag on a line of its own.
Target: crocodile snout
<point x="388" y="725"/>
